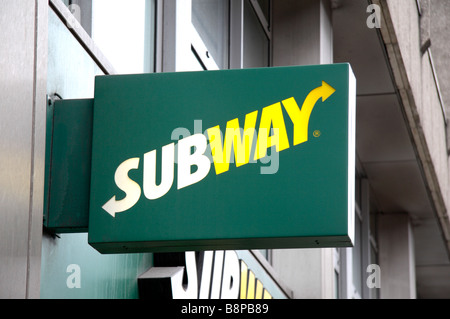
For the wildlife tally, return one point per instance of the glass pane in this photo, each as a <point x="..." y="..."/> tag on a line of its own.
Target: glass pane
<point x="256" y="44"/>
<point x="264" y="252"/>
<point x="210" y="19"/>
<point x="71" y="70"/>
<point x="124" y="32"/>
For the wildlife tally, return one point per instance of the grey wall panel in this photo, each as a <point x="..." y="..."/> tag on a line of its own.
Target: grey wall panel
<point x="21" y="145"/>
<point x="38" y="151"/>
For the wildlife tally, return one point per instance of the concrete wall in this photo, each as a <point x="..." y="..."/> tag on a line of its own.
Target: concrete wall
<point x="405" y="34"/>
<point x="431" y="122"/>
<point x="413" y="73"/>
<point x="423" y="106"/>
<point x="22" y="130"/>
<point x="308" y="272"/>
<point x="396" y="257"/>
<point x="436" y="14"/>
<point x="439" y="24"/>
<point x="302" y="32"/>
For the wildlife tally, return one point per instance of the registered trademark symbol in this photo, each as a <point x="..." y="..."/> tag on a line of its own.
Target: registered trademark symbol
<point x="317" y="133"/>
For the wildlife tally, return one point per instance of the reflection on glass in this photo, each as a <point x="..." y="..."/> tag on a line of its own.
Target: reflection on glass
<point x="124" y="32"/>
<point x="256" y="44"/>
<point x="210" y="19"/>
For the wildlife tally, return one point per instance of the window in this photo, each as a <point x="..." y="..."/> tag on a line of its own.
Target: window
<point x="228" y="34"/>
<point x="352" y="266"/>
<point x="256" y="32"/>
<point x="123" y="31"/>
<point x="210" y="19"/>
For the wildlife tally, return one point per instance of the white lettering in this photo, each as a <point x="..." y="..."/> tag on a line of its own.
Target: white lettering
<point x="231" y="276"/>
<point x="151" y="190"/>
<point x="217" y="274"/>
<point x="206" y="274"/>
<point x="186" y="160"/>
<point x="125" y="183"/>
<point x="191" y="291"/>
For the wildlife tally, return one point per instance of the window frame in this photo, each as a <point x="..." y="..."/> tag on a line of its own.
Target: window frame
<point x="176" y="27"/>
<point x="74" y="26"/>
<point x="368" y="246"/>
<point x="237" y="25"/>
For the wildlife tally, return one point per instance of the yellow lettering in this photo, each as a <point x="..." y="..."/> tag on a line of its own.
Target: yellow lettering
<point x="259" y="290"/>
<point x="251" y="285"/>
<point x="300" y="118"/>
<point x="267" y="295"/>
<point x="272" y="116"/>
<point x="244" y="273"/>
<point x="241" y="144"/>
<point x="272" y="130"/>
<point x="248" y="290"/>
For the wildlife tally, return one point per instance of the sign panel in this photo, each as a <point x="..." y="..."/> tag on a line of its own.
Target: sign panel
<point x="234" y="159"/>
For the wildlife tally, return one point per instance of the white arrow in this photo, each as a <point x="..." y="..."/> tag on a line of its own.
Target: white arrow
<point x="130" y="187"/>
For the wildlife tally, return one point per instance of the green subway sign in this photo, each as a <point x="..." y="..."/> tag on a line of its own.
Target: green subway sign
<point x="234" y="159"/>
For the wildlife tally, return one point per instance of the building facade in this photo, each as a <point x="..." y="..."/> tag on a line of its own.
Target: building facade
<point x="53" y="49"/>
